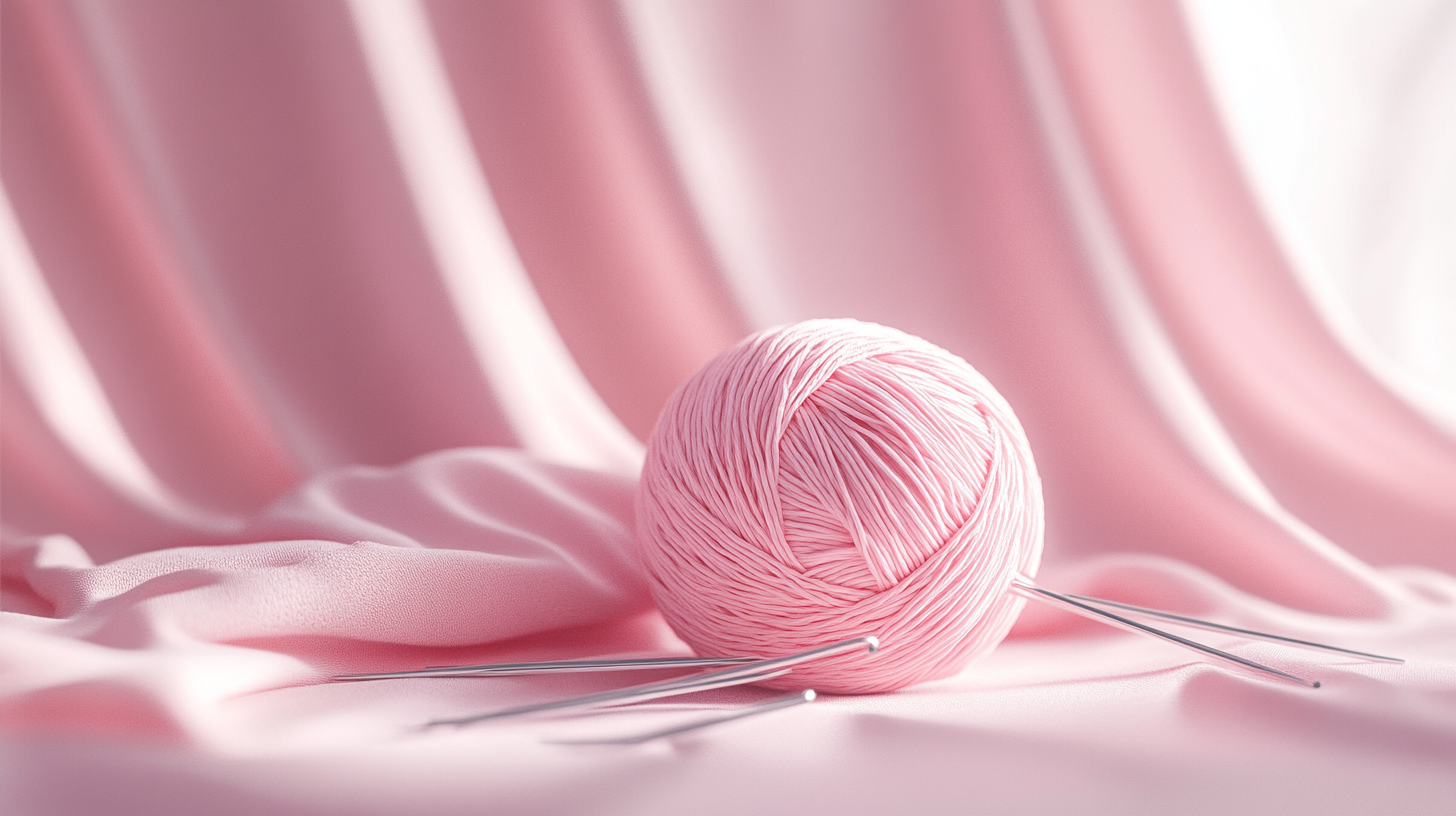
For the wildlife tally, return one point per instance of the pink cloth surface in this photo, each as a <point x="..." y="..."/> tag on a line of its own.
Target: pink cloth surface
<point x="249" y="440"/>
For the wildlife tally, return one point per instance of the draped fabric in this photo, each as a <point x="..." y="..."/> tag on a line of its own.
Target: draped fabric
<point x="332" y="331"/>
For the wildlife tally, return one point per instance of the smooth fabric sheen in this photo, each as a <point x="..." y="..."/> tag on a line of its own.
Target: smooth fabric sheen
<point x="274" y="327"/>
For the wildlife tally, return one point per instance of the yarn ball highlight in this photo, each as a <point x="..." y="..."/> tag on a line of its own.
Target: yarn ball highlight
<point x="833" y="479"/>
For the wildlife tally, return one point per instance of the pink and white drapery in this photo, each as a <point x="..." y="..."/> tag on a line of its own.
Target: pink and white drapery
<point x="331" y="331"/>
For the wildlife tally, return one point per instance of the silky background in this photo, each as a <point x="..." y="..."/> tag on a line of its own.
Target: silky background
<point x="332" y="333"/>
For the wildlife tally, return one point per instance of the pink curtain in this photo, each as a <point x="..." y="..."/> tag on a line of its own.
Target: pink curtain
<point x="332" y="331"/>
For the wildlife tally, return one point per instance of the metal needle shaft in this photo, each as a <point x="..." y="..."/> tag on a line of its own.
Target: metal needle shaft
<point x="797" y="698"/>
<point x="1210" y="626"/>
<point x="1061" y="601"/>
<point x="553" y="667"/>
<point x="738" y="675"/>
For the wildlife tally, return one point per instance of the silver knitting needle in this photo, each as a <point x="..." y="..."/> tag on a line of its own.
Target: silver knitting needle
<point x="798" y="698"/>
<point x="1210" y="626"/>
<point x="738" y="675"/>
<point x="552" y="667"/>
<point x="1061" y="601"/>
<point x="631" y="694"/>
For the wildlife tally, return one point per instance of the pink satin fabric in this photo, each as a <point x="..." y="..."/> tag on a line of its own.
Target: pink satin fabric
<point x="216" y="205"/>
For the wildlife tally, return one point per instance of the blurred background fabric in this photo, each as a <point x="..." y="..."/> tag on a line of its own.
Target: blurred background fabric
<point x="333" y="330"/>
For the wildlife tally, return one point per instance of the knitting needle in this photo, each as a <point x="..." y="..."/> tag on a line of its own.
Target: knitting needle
<point x="552" y="667"/>
<point x="734" y="676"/>
<point x="1248" y="633"/>
<point x="631" y="694"/>
<point x="1059" y="600"/>
<point x="797" y="698"/>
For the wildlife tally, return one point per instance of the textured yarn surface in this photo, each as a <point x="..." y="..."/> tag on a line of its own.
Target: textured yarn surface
<point x="833" y="479"/>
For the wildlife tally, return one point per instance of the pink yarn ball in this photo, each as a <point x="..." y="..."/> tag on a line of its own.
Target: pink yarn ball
<point x="833" y="479"/>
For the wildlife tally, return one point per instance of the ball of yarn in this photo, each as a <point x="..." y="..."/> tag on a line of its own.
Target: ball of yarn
<point x="833" y="479"/>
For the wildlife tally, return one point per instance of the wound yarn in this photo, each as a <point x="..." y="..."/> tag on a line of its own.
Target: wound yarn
<point x="833" y="479"/>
